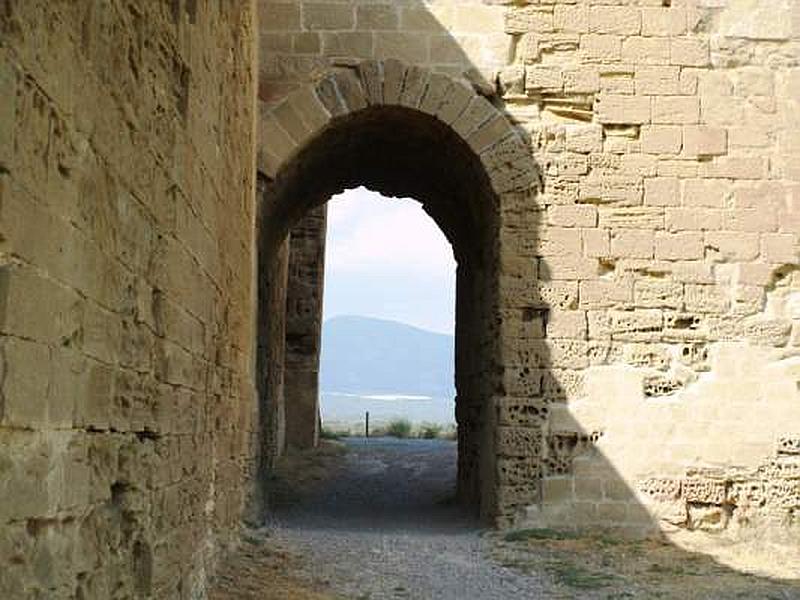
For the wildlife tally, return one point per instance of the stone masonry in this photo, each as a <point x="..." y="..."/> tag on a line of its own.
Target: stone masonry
<point x="648" y="281"/>
<point x="127" y="188"/>
<point x="619" y="179"/>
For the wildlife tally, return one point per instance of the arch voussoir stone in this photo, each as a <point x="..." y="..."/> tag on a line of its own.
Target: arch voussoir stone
<point x="308" y="111"/>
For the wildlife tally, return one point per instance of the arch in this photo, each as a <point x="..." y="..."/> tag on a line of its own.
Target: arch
<point x="404" y="131"/>
<point x="308" y="111"/>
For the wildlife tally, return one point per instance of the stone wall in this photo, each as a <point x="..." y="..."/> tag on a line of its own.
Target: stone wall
<point x="649" y="333"/>
<point x="126" y="309"/>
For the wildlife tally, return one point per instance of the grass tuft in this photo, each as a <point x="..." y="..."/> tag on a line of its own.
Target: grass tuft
<point x="399" y="428"/>
<point x="521" y="535"/>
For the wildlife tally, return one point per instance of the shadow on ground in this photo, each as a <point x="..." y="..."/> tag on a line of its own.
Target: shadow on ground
<point x="375" y="519"/>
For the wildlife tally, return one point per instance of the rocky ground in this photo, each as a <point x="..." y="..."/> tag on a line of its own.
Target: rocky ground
<point x="375" y="520"/>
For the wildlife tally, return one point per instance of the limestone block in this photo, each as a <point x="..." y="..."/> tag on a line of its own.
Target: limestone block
<point x="519" y="442"/>
<point x="558" y="385"/>
<point x="350" y="90"/>
<point x="636" y="217"/>
<point x="689" y="52"/>
<point x="700" y="141"/>
<point x="590" y="489"/>
<point x="726" y="246"/>
<point x="394" y="72"/>
<point x="651" y="80"/>
<point x="566" y="215"/>
<point x="524" y="412"/>
<point x="524" y="19"/>
<point x="695" y="356"/>
<point x="612" y="190"/>
<point x="310" y="109"/>
<point x="753" y="220"/>
<point x="514" y="496"/>
<point x="735" y="167"/>
<point x="605" y="293"/>
<point x="371" y="74"/>
<point x="651" y="356"/>
<point x="693" y="219"/>
<point x="657" y="21"/>
<point x="347" y="44"/>
<point x="705" y="491"/>
<point x="458" y="99"/>
<point x="658" y="294"/>
<point x="570" y="324"/>
<point x="623" y="20"/>
<point x="596" y="243"/>
<point x="290" y="121"/>
<point x="401" y="45"/>
<point x="633" y="325"/>
<point x="414" y="85"/>
<point x="662" y="191"/>
<point x="618" y="109"/>
<point x="661" y="139"/>
<point x="679" y="246"/>
<point x="656" y="386"/>
<point x="24" y="389"/>
<point x="377" y="17"/>
<point x="675" y="110"/>
<point x="518" y="471"/>
<point x="632" y="243"/>
<point x="706" y="298"/>
<point x="779" y="248"/>
<point x="543" y="79"/>
<point x="481" y="118"/>
<point x="280" y="16"/>
<point x="327" y="16"/>
<point x="600" y="48"/>
<point x="768" y="332"/>
<point x="645" y="50"/>
<point x="307" y="43"/>
<point x="8" y="81"/>
<point x="581" y="81"/>
<point x="705" y="192"/>
<point x="571" y="18"/>
<point x="789" y="445"/>
<point x="511" y="81"/>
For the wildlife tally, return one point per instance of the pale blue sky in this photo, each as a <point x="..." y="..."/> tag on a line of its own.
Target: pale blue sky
<point x="386" y="258"/>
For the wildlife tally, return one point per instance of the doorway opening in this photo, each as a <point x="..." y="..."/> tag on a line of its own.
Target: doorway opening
<point x="400" y="152"/>
<point x="387" y="352"/>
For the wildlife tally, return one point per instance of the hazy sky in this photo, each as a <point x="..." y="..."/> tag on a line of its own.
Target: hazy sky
<point x="386" y="258"/>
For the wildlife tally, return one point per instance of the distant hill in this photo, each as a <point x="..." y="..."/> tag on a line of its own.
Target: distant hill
<point x="362" y="355"/>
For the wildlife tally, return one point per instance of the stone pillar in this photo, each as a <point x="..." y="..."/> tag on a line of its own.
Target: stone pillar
<point x="304" y="328"/>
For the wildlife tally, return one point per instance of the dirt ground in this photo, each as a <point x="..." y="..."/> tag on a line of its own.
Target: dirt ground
<point x="610" y="568"/>
<point x="269" y="565"/>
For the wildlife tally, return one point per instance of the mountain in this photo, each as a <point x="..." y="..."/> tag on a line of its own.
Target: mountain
<point x="362" y="355"/>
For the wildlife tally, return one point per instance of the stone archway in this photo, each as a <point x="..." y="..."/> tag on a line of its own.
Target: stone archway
<point x="405" y="131"/>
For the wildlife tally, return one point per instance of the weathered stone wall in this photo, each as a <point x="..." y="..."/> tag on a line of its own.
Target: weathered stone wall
<point x="650" y="334"/>
<point x="304" y="328"/>
<point x="126" y="314"/>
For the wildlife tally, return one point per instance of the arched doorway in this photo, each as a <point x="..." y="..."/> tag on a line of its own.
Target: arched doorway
<point x="401" y="131"/>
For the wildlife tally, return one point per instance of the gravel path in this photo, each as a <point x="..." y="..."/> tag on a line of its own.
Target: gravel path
<point x="383" y="528"/>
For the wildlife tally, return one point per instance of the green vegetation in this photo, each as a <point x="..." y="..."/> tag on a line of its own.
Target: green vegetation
<point x="329" y="434"/>
<point x="572" y="575"/>
<point x="520" y="535"/>
<point x="399" y="428"/>
<point x="430" y="431"/>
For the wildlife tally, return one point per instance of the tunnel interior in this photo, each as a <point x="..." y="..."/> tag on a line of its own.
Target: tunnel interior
<point x="397" y="152"/>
